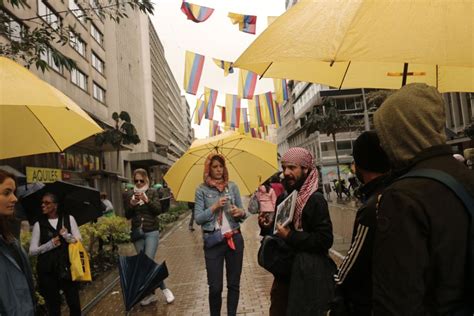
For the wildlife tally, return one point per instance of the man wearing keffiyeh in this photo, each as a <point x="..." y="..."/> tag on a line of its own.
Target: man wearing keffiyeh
<point x="310" y="237"/>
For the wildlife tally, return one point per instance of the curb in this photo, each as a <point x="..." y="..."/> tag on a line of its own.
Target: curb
<point x="87" y="308"/>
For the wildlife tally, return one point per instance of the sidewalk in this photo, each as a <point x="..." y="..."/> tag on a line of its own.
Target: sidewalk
<point x="184" y="257"/>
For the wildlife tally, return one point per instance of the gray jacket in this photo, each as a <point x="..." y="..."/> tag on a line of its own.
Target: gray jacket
<point x="16" y="290"/>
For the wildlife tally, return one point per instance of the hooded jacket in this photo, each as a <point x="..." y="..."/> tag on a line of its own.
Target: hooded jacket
<point x="420" y="251"/>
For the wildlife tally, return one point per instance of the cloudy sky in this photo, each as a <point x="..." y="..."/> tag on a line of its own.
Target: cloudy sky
<point x="217" y="37"/>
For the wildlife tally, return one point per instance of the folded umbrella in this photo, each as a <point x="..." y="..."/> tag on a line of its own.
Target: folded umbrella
<point x="79" y="201"/>
<point x="139" y="275"/>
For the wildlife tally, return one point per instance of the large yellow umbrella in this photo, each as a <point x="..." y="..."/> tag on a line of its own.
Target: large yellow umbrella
<point x="250" y="162"/>
<point x="367" y="43"/>
<point x="35" y="117"/>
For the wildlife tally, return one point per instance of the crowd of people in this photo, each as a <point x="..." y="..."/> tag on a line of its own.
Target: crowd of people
<point x="412" y="245"/>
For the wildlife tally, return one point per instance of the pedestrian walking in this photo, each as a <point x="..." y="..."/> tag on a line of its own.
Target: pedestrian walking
<point x="267" y="198"/>
<point x="17" y="289"/>
<point x="423" y="245"/>
<point x="354" y="277"/>
<point x="310" y="287"/>
<point x="219" y="211"/>
<point x="142" y="207"/>
<point x="109" y="208"/>
<point x="49" y="241"/>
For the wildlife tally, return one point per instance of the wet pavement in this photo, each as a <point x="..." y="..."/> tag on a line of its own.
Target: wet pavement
<point x="184" y="257"/>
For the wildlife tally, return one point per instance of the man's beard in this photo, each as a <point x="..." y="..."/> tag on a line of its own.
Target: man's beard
<point x="297" y="185"/>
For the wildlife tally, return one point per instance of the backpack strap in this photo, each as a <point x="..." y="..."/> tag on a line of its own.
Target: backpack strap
<point x="446" y="179"/>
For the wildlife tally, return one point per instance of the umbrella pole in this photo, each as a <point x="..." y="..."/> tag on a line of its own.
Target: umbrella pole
<point x="405" y="73"/>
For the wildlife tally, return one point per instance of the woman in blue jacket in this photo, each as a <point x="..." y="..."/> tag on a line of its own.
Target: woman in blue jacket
<point x="219" y="212"/>
<point x="16" y="290"/>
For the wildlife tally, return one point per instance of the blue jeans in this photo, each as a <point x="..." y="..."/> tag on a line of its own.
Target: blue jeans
<point x="149" y="245"/>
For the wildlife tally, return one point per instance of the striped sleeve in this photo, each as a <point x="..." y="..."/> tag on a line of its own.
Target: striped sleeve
<point x="352" y="254"/>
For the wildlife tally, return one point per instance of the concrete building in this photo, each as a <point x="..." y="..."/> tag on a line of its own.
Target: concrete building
<point x="120" y="67"/>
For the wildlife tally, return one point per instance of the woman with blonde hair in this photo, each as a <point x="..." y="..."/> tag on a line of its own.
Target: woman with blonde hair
<point x="143" y="207"/>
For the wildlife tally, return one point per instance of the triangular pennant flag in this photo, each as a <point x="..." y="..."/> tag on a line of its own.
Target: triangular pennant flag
<point x="228" y="66"/>
<point x="210" y="98"/>
<point x="192" y="71"/>
<point x="195" y="12"/>
<point x="247" y="83"/>
<point x="247" y="23"/>
<point x="232" y="103"/>
<point x="199" y="111"/>
<point x="281" y="90"/>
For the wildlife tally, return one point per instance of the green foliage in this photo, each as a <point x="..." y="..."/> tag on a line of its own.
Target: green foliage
<point x="39" y="35"/>
<point x="112" y="230"/>
<point x="172" y="215"/>
<point x="376" y="98"/>
<point x="328" y="120"/>
<point x="124" y="132"/>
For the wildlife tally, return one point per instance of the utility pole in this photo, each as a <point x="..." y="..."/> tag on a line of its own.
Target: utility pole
<point x="366" y="114"/>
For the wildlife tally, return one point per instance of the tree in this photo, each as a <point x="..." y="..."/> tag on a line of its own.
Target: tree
<point x="124" y="133"/>
<point x="327" y="119"/>
<point x="29" y="43"/>
<point x="377" y="97"/>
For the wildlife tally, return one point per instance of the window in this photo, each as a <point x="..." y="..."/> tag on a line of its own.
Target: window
<point x="98" y="93"/>
<point x="48" y="15"/>
<point x="77" y="43"/>
<point x="48" y="57"/>
<point x="97" y="63"/>
<point x="79" y="79"/>
<point x="97" y="35"/>
<point x="13" y="29"/>
<point x="344" y="145"/>
<point x="95" y="5"/>
<point x="77" y="11"/>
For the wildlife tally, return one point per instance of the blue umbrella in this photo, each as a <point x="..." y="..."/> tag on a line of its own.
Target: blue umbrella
<point x="139" y="276"/>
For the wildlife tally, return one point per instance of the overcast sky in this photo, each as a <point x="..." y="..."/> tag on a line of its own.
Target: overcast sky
<point x="215" y="38"/>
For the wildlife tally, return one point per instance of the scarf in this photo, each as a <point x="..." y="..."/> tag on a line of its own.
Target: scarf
<point x="302" y="157"/>
<point x="142" y="190"/>
<point x="221" y="184"/>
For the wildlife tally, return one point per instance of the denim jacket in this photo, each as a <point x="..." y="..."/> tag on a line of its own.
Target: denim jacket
<point x="206" y="196"/>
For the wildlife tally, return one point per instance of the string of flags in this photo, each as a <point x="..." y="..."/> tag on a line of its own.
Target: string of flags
<point x="262" y="110"/>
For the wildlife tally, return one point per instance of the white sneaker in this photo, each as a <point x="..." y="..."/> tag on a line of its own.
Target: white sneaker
<point x="168" y="295"/>
<point x="149" y="299"/>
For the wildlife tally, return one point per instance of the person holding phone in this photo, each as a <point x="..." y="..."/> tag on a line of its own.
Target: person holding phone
<point x="143" y="207"/>
<point x="218" y="209"/>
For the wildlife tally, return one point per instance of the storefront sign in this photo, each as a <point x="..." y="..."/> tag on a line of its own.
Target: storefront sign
<point x="45" y="175"/>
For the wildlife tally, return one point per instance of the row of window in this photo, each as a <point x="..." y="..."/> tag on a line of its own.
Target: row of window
<point x="80" y="80"/>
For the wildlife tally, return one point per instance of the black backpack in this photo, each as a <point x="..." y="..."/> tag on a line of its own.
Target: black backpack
<point x="468" y="201"/>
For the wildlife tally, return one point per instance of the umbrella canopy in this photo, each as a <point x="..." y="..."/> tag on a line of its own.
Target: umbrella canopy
<point x="139" y="275"/>
<point x="349" y="44"/>
<point x="250" y="161"/>
<point x="35" y="117"/>
<point x="79" y="201"/>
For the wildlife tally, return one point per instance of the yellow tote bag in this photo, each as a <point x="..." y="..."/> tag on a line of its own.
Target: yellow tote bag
<point x="80" y="267"/>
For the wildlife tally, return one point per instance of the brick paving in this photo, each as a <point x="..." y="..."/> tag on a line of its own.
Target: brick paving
<point x="184" y="257"/>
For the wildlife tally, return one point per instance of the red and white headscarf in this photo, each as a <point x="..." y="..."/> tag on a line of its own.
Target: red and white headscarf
<point x="218" y="184"/>
<point x="302" y="157"/>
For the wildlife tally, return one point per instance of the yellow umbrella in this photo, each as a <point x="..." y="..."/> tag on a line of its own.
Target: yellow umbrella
<point x="35" y="117"/>
<point x="367" y="43"/>
<point x="250" y="161"/>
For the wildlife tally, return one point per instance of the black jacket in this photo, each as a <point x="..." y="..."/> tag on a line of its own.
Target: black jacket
<point x="354" y="277"/>
<point x="146" y="214"/>
<point x="422" y="234"/>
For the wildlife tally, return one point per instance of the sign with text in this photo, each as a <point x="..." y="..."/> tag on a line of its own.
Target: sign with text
<point x="45" y="175"/>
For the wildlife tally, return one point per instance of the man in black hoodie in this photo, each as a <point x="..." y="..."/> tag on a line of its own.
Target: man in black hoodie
<point x="354" y="277"/>
<point x="420" y="264"/>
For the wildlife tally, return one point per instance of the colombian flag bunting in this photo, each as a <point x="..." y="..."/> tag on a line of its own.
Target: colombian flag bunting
<point x="278" y="115"/>
<point x="281" y="90"/>
<point x="210" y="98"/>
<point x="253" y="132"/>
<point x="195" y="12"/>
<point x="266" y="100"/>
<point x="247" y="83"/>
<point x="228" y="66"/>
<point x="192" y="71"/>
<point x="214" y="128"/>
<point x="247" y="23"/>
<point x="232" y="104"/>
<point x="199" y="111"/>
<point x="259" y="112"/>
<point x="246" y="120"/>
<point x="223" y="113"/>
